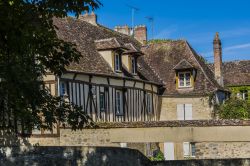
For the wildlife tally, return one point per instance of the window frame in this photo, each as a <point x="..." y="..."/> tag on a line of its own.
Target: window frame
<point x="184" y="79"/>
<point x="149" y="103"/>
<point x="191" y="149"/>
<point x="244" y="94"/>
<point x="117" y="62"/>
<point x="102" y="103"/>
<point x="65" y="88"/>
<point x="184" y="111"/>
<point x="121" y="102"/>
<point x="133" y="65"/>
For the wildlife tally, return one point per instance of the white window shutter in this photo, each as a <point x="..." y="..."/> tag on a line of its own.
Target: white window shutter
<point x="188" y="112"/>
<point x="180" y="111"/>
<point x="186" y="150"/>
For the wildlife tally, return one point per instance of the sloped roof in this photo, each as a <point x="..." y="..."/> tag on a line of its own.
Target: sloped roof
<point x="235" y="73"/>
<point x="132" y="49"/>
<point x="107" y="44"/>
<point x="88" y="39"/>
<point x="183" y="64"/>
<point x="165" y="55"/>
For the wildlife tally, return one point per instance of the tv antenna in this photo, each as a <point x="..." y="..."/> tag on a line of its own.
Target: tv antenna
<point x="133" y="10"/>
<point x="151" y="20"/>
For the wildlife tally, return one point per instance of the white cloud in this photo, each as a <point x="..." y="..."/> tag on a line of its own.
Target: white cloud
<point x="235" y="47"/>
<point x="167" y="32"/>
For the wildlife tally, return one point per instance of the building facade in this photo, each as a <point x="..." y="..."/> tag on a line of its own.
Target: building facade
<point x="124" y="79"/>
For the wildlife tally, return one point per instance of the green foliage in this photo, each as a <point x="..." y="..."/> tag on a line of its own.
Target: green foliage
<point x="29" y="47"/>
<point x="159" y="157"/>
<point x="235" y="108"/>
<point x="239" y="89"/>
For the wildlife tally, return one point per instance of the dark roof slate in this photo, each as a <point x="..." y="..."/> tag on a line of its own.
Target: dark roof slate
<point x="88" y="39"/>
<point x="108" y="44"/>
<point x="183" y="64"/>
<point x="235" y="73"/>
<point x="164" y="56"/>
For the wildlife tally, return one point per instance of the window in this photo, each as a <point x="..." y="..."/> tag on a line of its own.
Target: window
<point x="102" y="102"/>
<point x="149" y="102"/>
<point x="244" y="94"/>
<point x="184" y="112"/>
<point x="133" y="65"/>
<point x="123" y="145"/>
<point x="119" y="102"/>
<point x="188" y="149"/>
<point x="184" y="79"/>
<point x="117" y="62"/>
<point x="63" y="89"/>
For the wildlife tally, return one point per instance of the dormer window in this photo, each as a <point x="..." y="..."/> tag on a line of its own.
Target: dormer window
<point x="117" y="62"/>
<point x="185" y="74"/>
<point x="133" y="65"/>
<point x="184" y="79"/>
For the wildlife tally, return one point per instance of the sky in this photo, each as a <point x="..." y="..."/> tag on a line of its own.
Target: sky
<point x="196" y="21"/>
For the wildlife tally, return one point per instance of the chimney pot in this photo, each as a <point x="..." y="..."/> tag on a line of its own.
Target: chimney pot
<point x="218" y="60"/>
<point x="140" y="34"/>
<point x="90" y="18"/>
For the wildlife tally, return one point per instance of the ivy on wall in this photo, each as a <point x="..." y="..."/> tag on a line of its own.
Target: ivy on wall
<point x="238" y="89"/>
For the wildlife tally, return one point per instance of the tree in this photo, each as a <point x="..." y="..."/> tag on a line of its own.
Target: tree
<point x="29" y="47"/>
<point x="235" y="108"/>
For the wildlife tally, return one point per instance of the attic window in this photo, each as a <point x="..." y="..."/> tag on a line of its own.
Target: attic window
<point x="133" y="65"/>
<point x="184" y="79"/>
<point x="117" y="62"/>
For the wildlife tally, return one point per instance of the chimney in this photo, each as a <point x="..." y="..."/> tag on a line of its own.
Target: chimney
<point x="140" y="34"/>
<point x="123" y="29"/>
<point x="90" y="18"/>
<point x="218" y="60"/>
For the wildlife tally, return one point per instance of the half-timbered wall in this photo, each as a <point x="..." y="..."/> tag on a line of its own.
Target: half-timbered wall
<point x="137" y="101"/>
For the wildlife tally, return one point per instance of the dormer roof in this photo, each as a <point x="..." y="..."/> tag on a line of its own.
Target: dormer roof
<point x="108" y="44"/>
<point x="132" y="49"/>
<point x="183" y="65"/>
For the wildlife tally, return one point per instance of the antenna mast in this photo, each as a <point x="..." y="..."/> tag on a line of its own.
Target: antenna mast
<point x="151" y="20"/>
<point x="133" y="10"/>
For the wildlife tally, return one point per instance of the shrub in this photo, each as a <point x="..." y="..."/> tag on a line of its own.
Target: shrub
<point x="158" y="157"/>
<point x="235" y="108"/>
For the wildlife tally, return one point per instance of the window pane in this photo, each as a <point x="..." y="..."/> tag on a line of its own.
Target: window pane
<point x="62" y="88"/>
<point x="149" y="102"/>
<point x="188" y="79"/>
<point x="102" y="101"/>
<point x="181" y="82"/>
<point x="117" y="62"/>
<point x="119" y="103"/>
<point x="193" y="149"/>
<point x="133" y="65"/>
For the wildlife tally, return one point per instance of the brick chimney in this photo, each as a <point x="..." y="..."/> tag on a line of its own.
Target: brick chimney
<point x="218" y="59"/>
<point x="123" y="29"/>
<point x="140" y="34"/>
<point x="90" y="18"/>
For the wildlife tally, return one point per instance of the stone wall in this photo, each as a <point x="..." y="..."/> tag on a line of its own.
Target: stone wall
<point x="71" y="156"/>
<point x="213" y="138"/>
<point x="217" y="162"/>
<point x="215" y="150"/>
<point x="200" y="107"/>
<point x="96" y="156"/>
